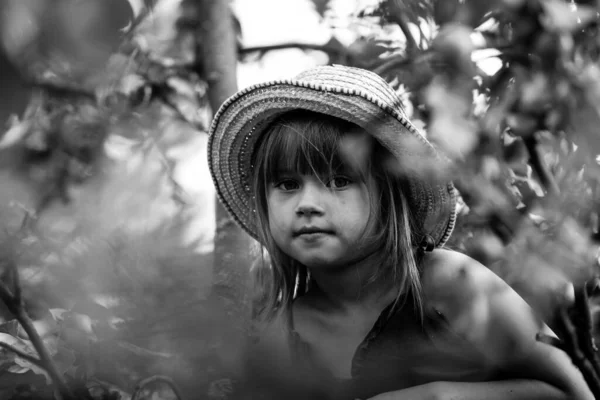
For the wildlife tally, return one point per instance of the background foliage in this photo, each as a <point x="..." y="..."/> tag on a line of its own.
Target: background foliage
<point x="105" y="258"/>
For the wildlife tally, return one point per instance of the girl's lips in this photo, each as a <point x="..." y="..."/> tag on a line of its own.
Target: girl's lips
<point x="311" y="231"/>
<point x="313" y="236"/>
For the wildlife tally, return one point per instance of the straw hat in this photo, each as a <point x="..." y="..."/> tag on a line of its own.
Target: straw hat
<point x="352" y="94"/>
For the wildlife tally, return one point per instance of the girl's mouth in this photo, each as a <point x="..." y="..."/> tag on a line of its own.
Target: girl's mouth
<point x="312" y="237"/>
<point x="307" y="232"/>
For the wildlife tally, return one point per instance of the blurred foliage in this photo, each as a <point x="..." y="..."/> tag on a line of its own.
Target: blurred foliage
<point x="107" y="104"/>
<point x="113" y="262"/>
<point x="523" y="142"/>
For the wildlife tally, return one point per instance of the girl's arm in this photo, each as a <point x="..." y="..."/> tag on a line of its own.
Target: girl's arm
<point x="495" y="390"/>
<point x="483" y="309"/>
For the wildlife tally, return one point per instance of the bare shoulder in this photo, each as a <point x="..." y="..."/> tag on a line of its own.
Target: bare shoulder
<point x="452" y="276"/>
<point x="477" y="304"/>
<point x="468" y="294"/>
<point x="486" y="311"/>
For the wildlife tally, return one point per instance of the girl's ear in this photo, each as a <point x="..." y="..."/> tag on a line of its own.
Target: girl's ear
<point x="427" y="244"/>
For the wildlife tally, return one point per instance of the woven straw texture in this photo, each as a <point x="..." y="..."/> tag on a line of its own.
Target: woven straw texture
<point x="352" y="94"/>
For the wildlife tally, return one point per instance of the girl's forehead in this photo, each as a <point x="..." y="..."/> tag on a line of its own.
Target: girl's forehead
<point x="325" y="142"/>
<point x="313" y="144"/>
<point x="318" y="158"/>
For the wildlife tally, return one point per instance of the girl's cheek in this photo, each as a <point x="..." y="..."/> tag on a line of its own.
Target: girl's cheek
<point x="274" y="223"/>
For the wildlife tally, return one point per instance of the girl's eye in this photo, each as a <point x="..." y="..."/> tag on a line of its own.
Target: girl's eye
<point x="287" y="184"/>
<point x="338" y="182"/>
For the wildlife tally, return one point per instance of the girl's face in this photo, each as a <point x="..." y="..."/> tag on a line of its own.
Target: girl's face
<point x="315" y="191"/>
<point x="320" y="221"/>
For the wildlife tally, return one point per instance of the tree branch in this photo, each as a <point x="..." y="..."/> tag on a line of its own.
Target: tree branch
<point x="393" y="62"/>
<point x="402" y="60"/>
<point x="180" y="196"/>
<point x="539" y="166"/>
<point x="45" y="358"/>
<point x="411" y="43"/>
<point x="302" y="46"/>
<point x="63" y="89"/>
<point x="161" y="93"/>
<point x="6" y="295"/>
<point x="16" y="282"/>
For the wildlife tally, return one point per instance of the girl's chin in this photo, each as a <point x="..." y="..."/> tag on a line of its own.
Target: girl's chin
<point x="324" y="263"/>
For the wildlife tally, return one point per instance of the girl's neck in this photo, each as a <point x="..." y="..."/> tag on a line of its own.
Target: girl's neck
<point x="351" y="287"/>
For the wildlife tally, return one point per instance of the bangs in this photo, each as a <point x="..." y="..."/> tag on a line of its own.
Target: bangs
<point x="309" y="143"/>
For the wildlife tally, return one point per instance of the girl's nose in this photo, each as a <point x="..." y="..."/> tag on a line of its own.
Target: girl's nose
<point x="310" y="201"/>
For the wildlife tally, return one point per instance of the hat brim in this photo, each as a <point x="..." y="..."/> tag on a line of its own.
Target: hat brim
<point x="241" y="120"/>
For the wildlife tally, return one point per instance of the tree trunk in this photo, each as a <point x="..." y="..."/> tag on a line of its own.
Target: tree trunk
<point x="218" y="55"/>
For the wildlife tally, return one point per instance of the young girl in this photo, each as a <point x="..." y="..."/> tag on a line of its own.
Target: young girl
<point x="357" y="298"/>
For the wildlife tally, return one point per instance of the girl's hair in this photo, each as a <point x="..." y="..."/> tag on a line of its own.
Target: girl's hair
<point x="313" y="143"/>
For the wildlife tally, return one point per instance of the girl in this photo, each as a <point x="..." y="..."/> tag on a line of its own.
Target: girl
<point x="358" y="299"/>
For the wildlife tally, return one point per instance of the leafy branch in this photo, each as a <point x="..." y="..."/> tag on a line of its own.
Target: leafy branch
<point x="14" y="302"/>
<point x="22" y="354"/>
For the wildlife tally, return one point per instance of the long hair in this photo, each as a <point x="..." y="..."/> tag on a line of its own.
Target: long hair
<point x="313" y="143"/>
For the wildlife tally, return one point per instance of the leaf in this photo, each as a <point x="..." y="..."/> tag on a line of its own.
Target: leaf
<point x="92" y="309"/>
<point x="365" y="52"/>
<point x="64" y="359"/>
<point x="62" y="356"/>
<point x="57" y="313"/>
<point x="17" y="343"/>
<point x="22" y="366"/>
<point x="141" y="352"/>
<point x="76" y="330"/>
<point x="18" y="369"/>
<point x="15" y="134"/>
<point x="10" y="327"/>
<point x="19" y="364"/>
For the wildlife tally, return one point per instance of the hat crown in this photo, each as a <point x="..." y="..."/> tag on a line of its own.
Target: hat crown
<point x="355" y="81"/>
